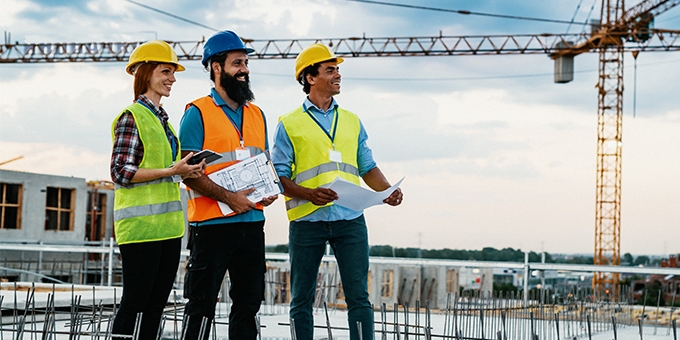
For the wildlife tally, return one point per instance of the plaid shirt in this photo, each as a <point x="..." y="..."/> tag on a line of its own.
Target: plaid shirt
<point x="128" y="149"/>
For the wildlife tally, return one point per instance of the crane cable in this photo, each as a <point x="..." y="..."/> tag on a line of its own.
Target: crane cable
<point x="592" y="8"/>
<point x="573" y="17"/>
<point x="464" y="12"/>
<point x="172" y="15"/>
<point x="635" y="55"/>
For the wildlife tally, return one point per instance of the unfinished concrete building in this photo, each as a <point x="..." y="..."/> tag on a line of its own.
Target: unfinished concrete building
<point x="46" y="209"/>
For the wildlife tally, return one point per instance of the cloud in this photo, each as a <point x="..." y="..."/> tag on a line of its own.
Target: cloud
<point x="66" y="103"/>
<point x="9" y="16"/>
<point x="55" y="158"/>
<point x="294" y="17"/>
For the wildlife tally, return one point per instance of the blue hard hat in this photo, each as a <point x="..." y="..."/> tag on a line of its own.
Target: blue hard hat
<point x="221" y="42"/>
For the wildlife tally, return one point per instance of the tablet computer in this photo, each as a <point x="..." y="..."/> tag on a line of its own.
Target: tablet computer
<point x="209" y="156"/>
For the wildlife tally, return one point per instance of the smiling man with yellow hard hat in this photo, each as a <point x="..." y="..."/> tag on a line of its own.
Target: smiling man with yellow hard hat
<point x="314" y="144"/>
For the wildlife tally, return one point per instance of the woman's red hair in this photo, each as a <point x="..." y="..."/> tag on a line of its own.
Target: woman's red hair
<point x="142" y="77"/>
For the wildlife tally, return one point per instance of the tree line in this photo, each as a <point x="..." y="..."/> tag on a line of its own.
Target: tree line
<point x="486" y="254"/>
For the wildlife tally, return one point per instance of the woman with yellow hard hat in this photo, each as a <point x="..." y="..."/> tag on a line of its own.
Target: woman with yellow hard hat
<point x="146" y="168"/>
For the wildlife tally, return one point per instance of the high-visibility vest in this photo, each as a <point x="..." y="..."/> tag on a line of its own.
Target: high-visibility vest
<point x="312" y="166"/>
<point x="149" y="211"/>
<point x="220" y="135"/>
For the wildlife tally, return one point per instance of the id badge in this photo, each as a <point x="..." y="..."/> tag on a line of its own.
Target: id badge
<point x="242" y="154"/>
<point x="335" y="156"/>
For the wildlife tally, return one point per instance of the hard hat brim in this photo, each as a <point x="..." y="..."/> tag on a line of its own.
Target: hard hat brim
<point x="178" y="67"/>
<point x="206" y="59"/>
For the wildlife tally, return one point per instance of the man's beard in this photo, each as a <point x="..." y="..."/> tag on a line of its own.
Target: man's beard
<point x="238" y="91"/>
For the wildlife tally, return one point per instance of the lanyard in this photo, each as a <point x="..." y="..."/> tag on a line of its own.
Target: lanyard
<point x="237" y="128"/>
<point x="334" y="125"/>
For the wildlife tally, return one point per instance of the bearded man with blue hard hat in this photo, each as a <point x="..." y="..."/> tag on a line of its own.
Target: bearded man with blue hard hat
<point x="228" y="123"/>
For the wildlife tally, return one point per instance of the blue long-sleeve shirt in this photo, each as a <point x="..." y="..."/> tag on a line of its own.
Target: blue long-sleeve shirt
<point x="283" y="157"/>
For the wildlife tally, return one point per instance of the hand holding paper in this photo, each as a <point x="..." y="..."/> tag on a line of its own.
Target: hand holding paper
<point x="357" y="198"/>
<point x="256" y="173"/>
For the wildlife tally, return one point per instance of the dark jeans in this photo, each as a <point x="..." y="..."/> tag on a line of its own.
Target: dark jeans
<point x="239" y="248"/>
<point x="307" y="243"/>
<point x="149" y="270"/>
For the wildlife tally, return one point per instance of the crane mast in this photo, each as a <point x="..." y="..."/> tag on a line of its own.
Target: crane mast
<point x="608" y="179"/>
<point x="615" y="23"/>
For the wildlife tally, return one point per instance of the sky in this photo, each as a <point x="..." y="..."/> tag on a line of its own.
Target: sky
<point x="494" y="153"/>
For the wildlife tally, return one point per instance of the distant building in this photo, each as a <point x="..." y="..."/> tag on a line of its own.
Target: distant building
<point x="405" y="282"/>
<point x="408" y="282"/>
<point x="668" y="285"/>
<point x="39" y="208"/>
<point x="508" y="276"/>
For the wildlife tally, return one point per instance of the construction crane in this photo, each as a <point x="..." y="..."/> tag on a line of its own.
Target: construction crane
<point x="617" y="26"/>
<point x="356" y="47"/>
<point x="619" y="30"/>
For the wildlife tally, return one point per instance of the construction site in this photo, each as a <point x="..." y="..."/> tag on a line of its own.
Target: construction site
<point x="401" y="291"/>
<point x="60" y="288"/>
<point x="61" y="268"/>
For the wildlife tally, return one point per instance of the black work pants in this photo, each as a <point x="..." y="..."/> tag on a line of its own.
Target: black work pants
<point x="239" y="248"/>
<point x="149" y="270"/>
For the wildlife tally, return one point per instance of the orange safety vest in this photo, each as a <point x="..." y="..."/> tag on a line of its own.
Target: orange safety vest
<point x="220" y="135"/>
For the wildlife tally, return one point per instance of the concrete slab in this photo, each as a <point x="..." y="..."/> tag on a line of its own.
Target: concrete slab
<point x="16" y="294"/>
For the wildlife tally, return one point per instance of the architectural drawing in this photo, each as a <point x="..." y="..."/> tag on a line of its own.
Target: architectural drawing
<point x="255" y="172"/>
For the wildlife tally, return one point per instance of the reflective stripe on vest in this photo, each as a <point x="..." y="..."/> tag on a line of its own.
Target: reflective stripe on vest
<point x="230" y="156"/>
<point x="326" y="167"/>
<point x="311" y="145"/>
<point x="140" y="184"/>
<point x="152" y="210"/>
<point x="146" y="210"/>
<point x="220" y="135"/>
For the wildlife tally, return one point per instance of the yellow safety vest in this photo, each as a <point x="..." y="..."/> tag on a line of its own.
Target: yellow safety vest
<point x="312" y="166"/>
<point x="148" y="211"/>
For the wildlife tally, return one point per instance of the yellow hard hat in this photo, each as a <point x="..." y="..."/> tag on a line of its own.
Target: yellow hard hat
<point x="153" y="51"/>
<point x="313" y="54"/>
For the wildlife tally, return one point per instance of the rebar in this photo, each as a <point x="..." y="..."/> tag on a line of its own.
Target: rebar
<point x="470" y="316"/>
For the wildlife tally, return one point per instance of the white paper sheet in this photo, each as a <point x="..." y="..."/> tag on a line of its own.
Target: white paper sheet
<point x="357" y="198"/>
<point x="255" y="172"/>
